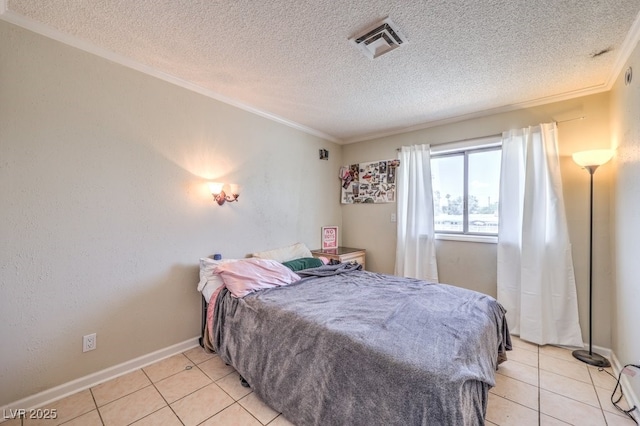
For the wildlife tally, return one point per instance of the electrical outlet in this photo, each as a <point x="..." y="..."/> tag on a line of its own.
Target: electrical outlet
<point x="89" y="342"/>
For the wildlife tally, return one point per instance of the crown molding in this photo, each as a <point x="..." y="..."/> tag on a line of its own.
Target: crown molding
<point x="484" y="113"/>
<point x="625" y="51"/>
<point x="627" y="48"/>
<point x="47" y="31"/>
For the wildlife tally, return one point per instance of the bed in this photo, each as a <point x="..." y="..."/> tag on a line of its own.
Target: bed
<point x="340" y="346"/>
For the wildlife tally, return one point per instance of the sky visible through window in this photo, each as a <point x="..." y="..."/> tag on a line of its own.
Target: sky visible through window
<point x="483" y="191"/>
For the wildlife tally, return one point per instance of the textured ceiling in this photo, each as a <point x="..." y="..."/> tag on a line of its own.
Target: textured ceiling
<point x="292" y="59"/>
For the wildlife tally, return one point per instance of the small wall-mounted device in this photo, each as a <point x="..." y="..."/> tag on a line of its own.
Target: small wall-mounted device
<point x="628" y="76"/>
<point x="324" y="154"/>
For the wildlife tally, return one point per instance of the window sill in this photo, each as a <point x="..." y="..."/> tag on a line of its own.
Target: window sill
<point x="488" y="239"/>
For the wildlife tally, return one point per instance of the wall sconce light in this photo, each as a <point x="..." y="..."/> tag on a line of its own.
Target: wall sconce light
<point x="220" y="196"/>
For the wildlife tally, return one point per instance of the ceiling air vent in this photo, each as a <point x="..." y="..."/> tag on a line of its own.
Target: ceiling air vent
<point x="379" y="39"/>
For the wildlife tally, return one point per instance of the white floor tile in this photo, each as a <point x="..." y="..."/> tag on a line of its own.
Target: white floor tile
<point x="542" y="385"/>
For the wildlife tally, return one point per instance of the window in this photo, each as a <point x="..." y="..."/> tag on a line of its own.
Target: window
<point x="466" y="183"/>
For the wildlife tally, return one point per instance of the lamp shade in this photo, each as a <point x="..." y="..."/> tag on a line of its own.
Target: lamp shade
<point x="215" y="187"/>
<point x="234" y="188"/>
<point x="595" y="157"/>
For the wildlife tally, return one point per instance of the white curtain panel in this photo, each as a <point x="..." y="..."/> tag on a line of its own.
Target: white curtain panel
<point x="415" y="249"/>
<point x="536" y="282"/>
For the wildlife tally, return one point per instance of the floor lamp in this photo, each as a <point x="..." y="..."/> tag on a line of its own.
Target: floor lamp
<point x="591" y="160"/>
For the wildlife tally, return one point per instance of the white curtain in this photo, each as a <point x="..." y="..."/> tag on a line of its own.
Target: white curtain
<point x="536" y="282"/>
<point x="415" y="249"/>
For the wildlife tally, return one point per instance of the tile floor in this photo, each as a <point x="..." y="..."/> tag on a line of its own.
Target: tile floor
<point x="537" y="386"/>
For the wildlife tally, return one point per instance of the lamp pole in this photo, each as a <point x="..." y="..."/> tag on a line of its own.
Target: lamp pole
<point x="591" y="357"/>
<point x="591" y="170"/>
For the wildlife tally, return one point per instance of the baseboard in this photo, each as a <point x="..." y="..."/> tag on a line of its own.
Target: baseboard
<point x="605" y="352"/>
<point x="50" y="395"/>
<point x="627" y="390"/>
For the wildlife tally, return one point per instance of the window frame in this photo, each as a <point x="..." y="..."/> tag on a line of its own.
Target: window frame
<point x="465" y="148"/>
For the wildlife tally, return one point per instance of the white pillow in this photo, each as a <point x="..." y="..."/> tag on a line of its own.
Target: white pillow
<point x="285" y="254"/>
<point x="207" y="275"/>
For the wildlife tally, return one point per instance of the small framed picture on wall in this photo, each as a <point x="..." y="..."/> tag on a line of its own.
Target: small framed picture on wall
<point x="329" y="237"/>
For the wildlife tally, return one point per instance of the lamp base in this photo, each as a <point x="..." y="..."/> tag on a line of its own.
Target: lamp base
<point x="591" y="358"/>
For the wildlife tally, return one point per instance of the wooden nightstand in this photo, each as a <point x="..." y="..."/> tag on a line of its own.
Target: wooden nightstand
<point x="343" y="254"/>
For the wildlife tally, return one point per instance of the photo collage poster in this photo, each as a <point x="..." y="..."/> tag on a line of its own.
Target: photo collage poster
<point x="373" y="182"/>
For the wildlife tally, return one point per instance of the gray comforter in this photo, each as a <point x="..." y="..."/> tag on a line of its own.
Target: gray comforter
<point x="359" y="348"/>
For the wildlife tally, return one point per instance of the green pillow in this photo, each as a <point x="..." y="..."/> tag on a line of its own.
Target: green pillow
<point x="303" y="263"/>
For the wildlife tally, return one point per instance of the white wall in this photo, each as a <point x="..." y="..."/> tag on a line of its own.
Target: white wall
<point x="473" y="265"/>
<point x="626" y="218"/>
<point x="105" y="211"/>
